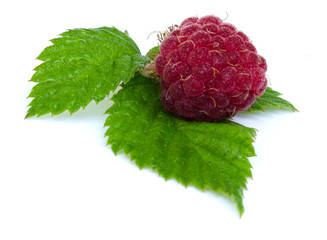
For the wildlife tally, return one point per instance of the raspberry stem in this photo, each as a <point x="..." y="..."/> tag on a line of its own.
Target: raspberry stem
<point x="149" y="71"/>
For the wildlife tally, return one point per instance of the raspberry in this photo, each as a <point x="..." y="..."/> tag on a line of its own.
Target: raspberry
<point x="209" y="70"/>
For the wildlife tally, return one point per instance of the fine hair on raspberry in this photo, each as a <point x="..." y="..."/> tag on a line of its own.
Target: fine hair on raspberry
<point x="209" y="70"/>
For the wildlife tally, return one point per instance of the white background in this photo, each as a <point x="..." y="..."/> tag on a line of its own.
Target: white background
<point x="59" y="180"/>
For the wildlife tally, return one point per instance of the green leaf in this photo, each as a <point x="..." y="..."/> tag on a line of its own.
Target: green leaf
<point x="271" y="100"/>
<point x="210" y="156"/>
<point x="82" y="65"/>
<point x="152" y="53"/>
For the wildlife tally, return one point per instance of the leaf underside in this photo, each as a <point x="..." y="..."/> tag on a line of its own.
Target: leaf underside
<point x="82" y="65"/>
<point x="271" y="100"/>
<point x="210" y="156"/>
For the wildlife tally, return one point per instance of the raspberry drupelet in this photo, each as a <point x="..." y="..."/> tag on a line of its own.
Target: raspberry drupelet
<point x="209" y="70"/>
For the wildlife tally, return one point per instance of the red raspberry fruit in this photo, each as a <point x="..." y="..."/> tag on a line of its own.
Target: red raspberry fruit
<point x="209" y="70"/>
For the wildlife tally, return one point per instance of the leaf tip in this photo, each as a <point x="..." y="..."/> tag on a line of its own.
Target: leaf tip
<point x="29" y="114"/>
<point x="294" y="109"/>
<point x="240" y="212"/>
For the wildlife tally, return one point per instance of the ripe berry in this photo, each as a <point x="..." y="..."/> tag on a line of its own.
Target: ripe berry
<point x="209" y="70"/>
